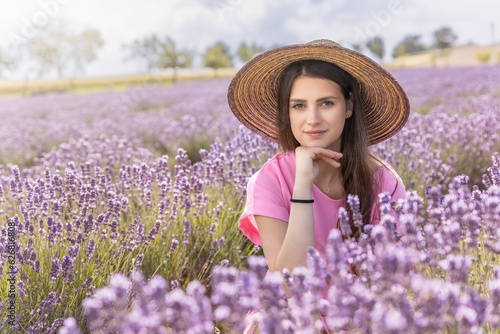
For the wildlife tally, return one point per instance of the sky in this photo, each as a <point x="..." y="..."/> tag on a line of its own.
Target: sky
<point x="198" y="24"/>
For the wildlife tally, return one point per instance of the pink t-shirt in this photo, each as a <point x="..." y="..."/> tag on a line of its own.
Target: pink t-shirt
<point x="270" y="189"/>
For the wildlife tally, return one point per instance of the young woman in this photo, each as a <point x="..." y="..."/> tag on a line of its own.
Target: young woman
<point x="324" y="105"/>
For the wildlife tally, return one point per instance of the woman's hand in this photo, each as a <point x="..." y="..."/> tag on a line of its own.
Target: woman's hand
<point x="307" y="162"/>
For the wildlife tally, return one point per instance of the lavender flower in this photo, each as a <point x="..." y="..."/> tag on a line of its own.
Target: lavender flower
<point x="345" y="227"/>
<point x="55" y="269"/>
<point x="90" y="248"/>
<point x="37" y="266"/>
<point x="174" y="245"/>
<point x="73" y="251"/>
<point x="369" y="280"/>
<point x="67" y="267"/>
<point x="69" y="327"/>
<point x="138" y="260"/>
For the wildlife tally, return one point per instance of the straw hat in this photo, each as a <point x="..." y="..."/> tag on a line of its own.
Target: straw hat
<point x="253" y="92"/>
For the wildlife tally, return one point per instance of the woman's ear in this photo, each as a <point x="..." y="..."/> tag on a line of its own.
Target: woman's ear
<point x="349" y="106"/>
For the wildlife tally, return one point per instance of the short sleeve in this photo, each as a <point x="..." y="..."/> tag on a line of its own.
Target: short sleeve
<point x="266" y="193"/>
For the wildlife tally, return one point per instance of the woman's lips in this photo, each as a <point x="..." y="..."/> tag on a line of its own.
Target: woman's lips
<point x="315" y="134"/>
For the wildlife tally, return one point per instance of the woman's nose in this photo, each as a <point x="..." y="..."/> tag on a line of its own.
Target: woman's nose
<point x="313" y="116"/>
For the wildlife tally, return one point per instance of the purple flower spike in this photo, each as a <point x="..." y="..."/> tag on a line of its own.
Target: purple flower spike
<point x="37" y="266"/>
<point x="354" y="205"/>
<point x="336" y="252"/>
<point x="121" y="287"/>
<point x="55" y="269"/>
<point x="174" y="245"/>
<point x="67" y="269"/>
<point x="90" y="248"/>
<point x="258" y="265"/>
<point x="273" y="299"/>
<point x="73" y="251"/>
<point x="345" y="227"/>
<point x="138" y="262"/>
<point x="69" y="327"/>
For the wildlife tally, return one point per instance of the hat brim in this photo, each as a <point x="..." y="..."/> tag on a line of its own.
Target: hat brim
<point x="253" y="91"/>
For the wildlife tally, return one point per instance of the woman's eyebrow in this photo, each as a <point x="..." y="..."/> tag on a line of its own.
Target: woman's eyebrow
<point x="320" y="99"/>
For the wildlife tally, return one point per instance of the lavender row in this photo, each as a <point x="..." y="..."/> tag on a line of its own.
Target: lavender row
<point x="377" y="284"/>
<point x="118" y="212"/>
<point x="162" y="118"/>
<point x="453" y="127"/>
<point x="109" y="189"/>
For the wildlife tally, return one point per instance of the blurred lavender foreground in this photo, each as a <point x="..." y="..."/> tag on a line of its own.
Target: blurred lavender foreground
<point x="126" y="203"/>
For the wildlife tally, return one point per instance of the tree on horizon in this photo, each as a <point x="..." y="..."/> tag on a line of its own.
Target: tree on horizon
<point x="7" y="62"/>
<point x="218" y="56"/>
<point x="444" y="38"/>
<point x="409" y="45"/>
<point x="170" y="57"/>
<point x="57" y="49"/>
<point x="145" y="49"/>
<point x="376" y="46"/>
<point x="247" y="52"/>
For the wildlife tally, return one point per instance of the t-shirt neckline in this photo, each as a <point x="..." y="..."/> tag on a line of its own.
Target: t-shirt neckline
<point x="317" y="189"/>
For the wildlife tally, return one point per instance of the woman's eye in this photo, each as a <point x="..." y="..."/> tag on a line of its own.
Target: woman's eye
<point x="298" y="106"/>
<point x="328" y="103"/>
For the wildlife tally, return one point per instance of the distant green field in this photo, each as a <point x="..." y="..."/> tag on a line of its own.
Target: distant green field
<point x="83" y="85"/>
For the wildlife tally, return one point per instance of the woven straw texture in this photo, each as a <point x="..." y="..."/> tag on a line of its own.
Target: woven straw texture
<point x="252" y="93"/>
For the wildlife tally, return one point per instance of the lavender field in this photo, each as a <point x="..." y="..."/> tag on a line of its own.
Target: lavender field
<point x="119" y="214"/>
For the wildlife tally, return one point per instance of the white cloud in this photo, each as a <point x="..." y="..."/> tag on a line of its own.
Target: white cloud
<point x="197" y="24"/>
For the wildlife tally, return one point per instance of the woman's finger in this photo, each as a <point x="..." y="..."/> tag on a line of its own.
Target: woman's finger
<point x="317" y="153"/>
<point x="328" y="153"/>
<point x="330" y="161"/>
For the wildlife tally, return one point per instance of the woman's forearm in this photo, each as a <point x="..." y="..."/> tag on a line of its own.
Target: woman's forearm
<point x="300" y="231"/>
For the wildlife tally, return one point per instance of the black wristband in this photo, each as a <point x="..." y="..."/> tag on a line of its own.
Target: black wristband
<point x="293" y="200"/>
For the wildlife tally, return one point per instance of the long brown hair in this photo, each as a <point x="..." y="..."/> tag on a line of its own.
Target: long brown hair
<point x="356" y="164"/>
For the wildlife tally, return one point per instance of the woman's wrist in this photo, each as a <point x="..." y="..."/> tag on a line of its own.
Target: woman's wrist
<point x="302" y="190"/>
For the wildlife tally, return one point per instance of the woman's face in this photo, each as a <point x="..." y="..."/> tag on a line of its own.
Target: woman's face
<point x="318" y="112"/>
